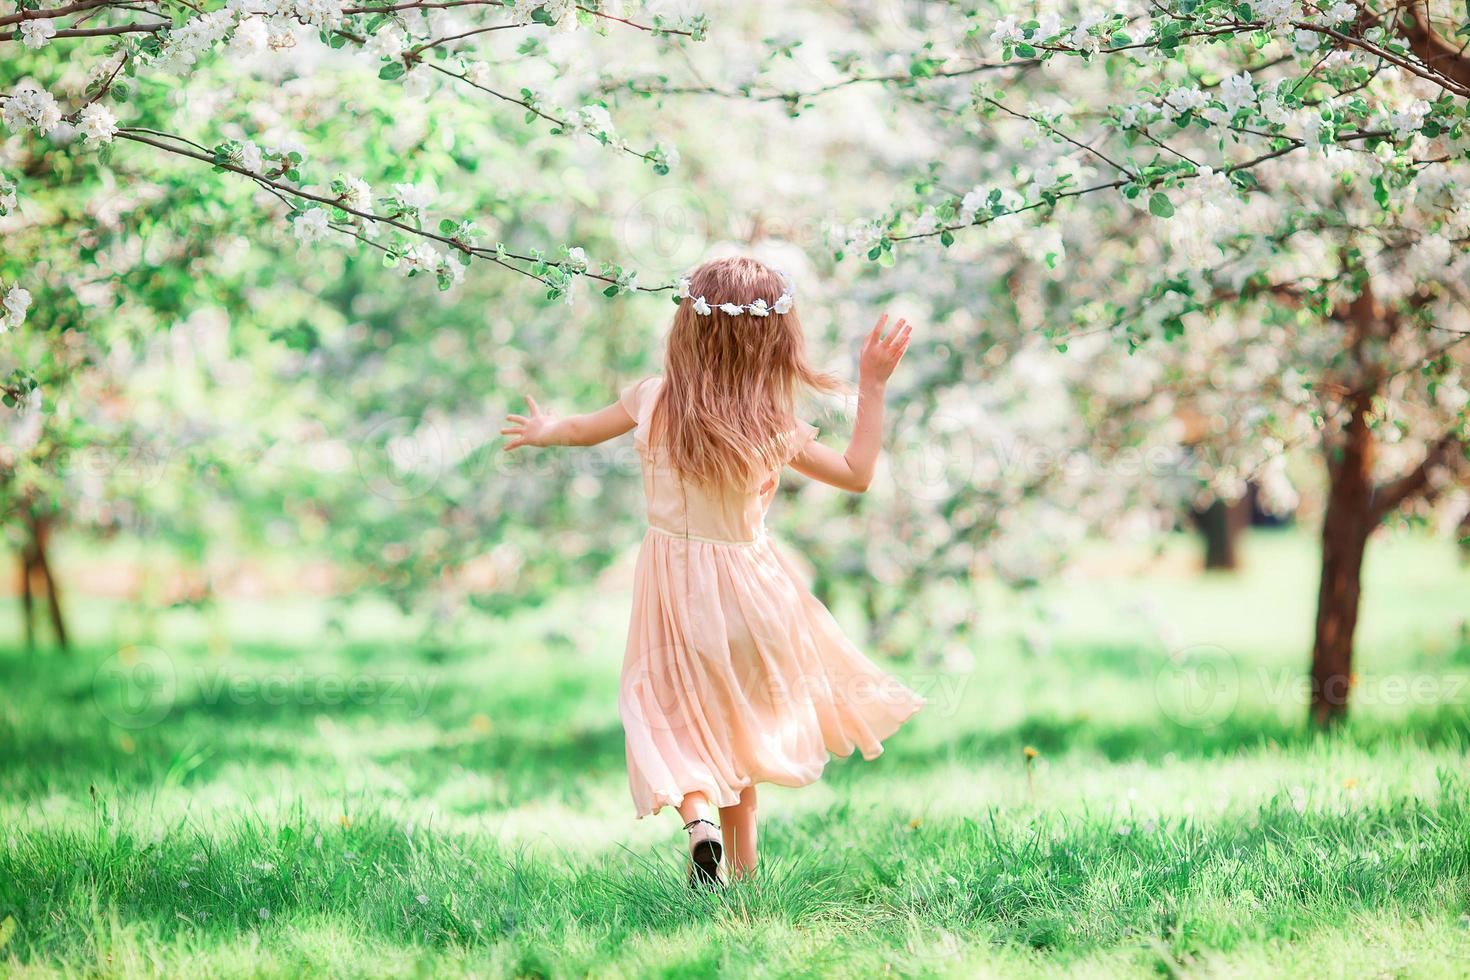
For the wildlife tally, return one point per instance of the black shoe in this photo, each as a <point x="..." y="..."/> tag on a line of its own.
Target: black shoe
<point x="704" y="857"/>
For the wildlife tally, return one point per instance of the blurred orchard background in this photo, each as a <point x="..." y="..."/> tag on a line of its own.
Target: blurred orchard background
<point x="303" y="674"/>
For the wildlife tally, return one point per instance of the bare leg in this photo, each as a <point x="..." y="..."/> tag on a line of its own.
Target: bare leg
<point x="737" y="823"/>
<point x="694" y="806"/>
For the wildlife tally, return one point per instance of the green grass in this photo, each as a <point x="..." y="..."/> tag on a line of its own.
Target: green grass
<point x="312" y="801"/>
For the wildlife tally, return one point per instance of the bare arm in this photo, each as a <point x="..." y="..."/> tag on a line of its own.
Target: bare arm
<point x="545" y="429"/>
<point x="853" y="470"/>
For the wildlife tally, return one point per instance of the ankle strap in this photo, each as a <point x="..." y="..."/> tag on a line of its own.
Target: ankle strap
<point x="697" y="820"/>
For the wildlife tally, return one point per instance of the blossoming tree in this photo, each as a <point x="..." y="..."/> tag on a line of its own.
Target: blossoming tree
<point x="145" y="146"/>
<point x="1263" y="203"/>
<point x="1282" y="191"/>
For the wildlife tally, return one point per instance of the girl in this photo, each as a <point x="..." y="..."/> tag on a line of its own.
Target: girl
<point x="734" y="674"/>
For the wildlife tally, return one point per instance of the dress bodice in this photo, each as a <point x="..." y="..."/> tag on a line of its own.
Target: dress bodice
<point x="686" y="509"/>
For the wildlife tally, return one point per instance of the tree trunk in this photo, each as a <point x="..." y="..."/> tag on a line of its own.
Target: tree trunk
<point x="36" y="573"/>
<point x="1345" y="528"/>
<point x="27" y="597"/>
<point x="1221" y="525"/>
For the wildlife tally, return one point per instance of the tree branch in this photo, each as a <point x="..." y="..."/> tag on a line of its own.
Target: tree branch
<point x="62" y="11"/>
<point x="1432" y="49"/>
<point x="96" y="31"/>
<point x="490" y="254"/>
<point x="1390" y="496"/>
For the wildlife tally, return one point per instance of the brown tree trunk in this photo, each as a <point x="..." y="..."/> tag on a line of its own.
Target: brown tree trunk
<point x="1221" y="525"/>
<point x="27" y="597"/>
<point x="36" y="572"/>
<point x="1349" y="519"/>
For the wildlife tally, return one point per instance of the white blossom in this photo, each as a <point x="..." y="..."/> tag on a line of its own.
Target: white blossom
<point x="701" y="307"/>
<point x="415" y="197"/>
<point x="249" y="157"/>
<point x="666" y="154"/>
<point x="422" y="257"/>
<point x="1408" y="121"/>
<point x="358" y="194"/>
<point x="684" y="288"/>
<point x="1238" y="92"/>
<point x="35" y="33"/>
<point x="971" y="204"/>
<point x="1273" y="110"/>
<point x="567" y="23"/>
<point x="865" y="236"/>
<point x="594" y="119"/>
<point x="477" y="72"/>
<point x="31" y="106"/>
<point x="577" y="259"/>
<point x="759" y="308"/>
<point x="97" y="123"/>
<point x="1339" y="13"/>
<point x="1007" y="31"/>
<point x="8" y="199"/>
<point x="194" y="37"/>
<point x="320" y="13"/>
<point x="1185" y="98"/>
<point x="782" y="304"/>
<point x="311" y="226"/>
<point x="17" y="301"/>
<point x="387" y="43"/>
<point x="250" y="38"/>
<point x="418" y="81"/>
<point x="1082" y="37"/>
<point x="733" y="309"/>
<point x="1278" y="13"/>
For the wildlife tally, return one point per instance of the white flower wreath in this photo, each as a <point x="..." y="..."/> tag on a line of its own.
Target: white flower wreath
<point x="758" y="308"/>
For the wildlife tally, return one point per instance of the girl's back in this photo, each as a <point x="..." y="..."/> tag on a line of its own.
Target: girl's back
<point x="725" y="512"/>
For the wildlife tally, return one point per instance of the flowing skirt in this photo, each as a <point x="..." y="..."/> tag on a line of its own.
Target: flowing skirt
<point x="735" y="674"/>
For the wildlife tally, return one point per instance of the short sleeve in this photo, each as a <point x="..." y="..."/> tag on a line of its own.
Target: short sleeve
<point x="801" y="437"/>
<point x="634" y="396"/>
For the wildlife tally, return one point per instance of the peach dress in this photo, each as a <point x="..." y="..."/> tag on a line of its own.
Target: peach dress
<point x="734" y="674"/>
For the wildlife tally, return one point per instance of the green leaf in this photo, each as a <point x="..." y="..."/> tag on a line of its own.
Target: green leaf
<point x="1160" y="205"/>
<point x="392" y="71"/>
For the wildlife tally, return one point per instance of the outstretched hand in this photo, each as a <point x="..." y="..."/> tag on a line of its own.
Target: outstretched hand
<point x="529" y="430"/>
<point x="880" y="355"/>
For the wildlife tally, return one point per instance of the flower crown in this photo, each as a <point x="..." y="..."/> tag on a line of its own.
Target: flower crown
<point x="758" y="308"/>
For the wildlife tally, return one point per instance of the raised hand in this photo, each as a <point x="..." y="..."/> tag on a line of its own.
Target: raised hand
<point x="881" y="354"/>
<point x="529" y="430"/>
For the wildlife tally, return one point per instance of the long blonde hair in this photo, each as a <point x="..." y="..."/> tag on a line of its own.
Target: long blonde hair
<point x="725" y="413"/>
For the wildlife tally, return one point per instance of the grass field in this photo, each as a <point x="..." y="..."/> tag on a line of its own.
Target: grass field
<point x="294" y="798"/>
